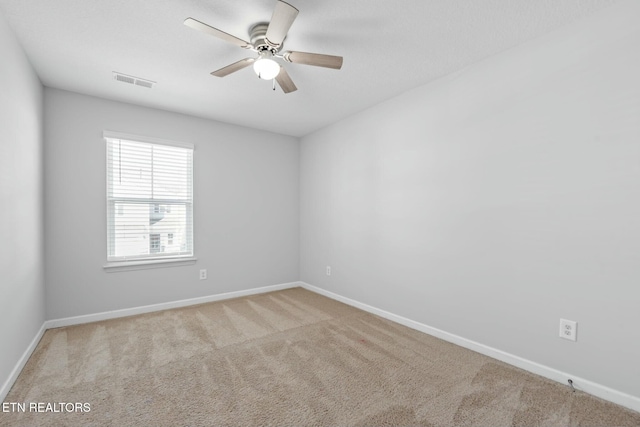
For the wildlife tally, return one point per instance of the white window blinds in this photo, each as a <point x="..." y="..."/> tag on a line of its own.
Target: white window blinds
<point x="149" y="198"/>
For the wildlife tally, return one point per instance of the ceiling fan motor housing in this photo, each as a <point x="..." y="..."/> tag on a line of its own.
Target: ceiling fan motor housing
<point x="259" y="38"/>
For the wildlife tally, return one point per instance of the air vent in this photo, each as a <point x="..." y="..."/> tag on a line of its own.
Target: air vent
<point x="133" y="80"/>
<point x="145" y="83"/>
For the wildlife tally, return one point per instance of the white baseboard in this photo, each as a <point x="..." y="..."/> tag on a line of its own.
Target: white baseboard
<point x="23" y="361"/>
<point x="590" y="387"/>
<point x="105" y="315"/>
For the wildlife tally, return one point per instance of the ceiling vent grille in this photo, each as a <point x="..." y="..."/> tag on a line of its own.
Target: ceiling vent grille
<point x="133" y="80"/>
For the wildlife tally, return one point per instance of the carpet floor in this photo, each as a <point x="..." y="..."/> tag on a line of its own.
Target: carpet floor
<point x="290" y="358"/>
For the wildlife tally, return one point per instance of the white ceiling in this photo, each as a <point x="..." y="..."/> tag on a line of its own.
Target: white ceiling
<point x="388" y="47"/>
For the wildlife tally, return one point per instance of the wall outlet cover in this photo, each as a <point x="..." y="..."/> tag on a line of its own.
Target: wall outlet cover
<point x="568" y="330"/>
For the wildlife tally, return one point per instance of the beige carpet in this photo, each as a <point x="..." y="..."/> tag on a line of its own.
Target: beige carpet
<point x="284" y="358"/>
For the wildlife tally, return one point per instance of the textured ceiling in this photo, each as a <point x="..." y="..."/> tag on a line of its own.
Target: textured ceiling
<point x="388" y="48"/>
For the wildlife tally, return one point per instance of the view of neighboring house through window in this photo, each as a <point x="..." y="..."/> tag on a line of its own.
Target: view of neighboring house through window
<point x="154" y="243"/>
<point x="149" y="199"/>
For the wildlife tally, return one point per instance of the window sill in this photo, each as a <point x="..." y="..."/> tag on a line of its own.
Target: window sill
<point x="116" y="266"/>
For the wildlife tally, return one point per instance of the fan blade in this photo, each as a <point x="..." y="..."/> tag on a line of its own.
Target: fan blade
<point x="236" y="66"/>
<point x="201" y="26"/>
<point x="285" y="81"/>
<point x="283" y="16"/>
<point x="327" y="61"/>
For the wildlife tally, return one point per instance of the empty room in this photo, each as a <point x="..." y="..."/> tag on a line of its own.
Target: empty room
<point x="336" y="213"/>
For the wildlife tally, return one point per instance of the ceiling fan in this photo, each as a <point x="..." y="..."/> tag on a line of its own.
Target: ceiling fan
<point x="266" y="41"/>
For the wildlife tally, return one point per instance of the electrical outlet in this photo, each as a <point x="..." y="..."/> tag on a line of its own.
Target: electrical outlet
<point x="569" y="330"/>
<point x="203" y="274"/>
<point x="328" y="270"/>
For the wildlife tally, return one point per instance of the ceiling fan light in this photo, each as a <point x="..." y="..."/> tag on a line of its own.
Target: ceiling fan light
<point x="266" y="68"/>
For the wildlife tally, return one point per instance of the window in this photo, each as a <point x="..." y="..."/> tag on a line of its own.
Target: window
<point x="149" y="197"/>
<point x="154" y="243"/>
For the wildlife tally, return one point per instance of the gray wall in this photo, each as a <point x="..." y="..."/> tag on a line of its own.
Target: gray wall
<point x="21" y="235"/>
<point x="246" y="187"/>
<point x="495" y="201"/>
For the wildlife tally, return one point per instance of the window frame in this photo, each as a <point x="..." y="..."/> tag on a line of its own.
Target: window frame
<point x="151" y="260"/>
